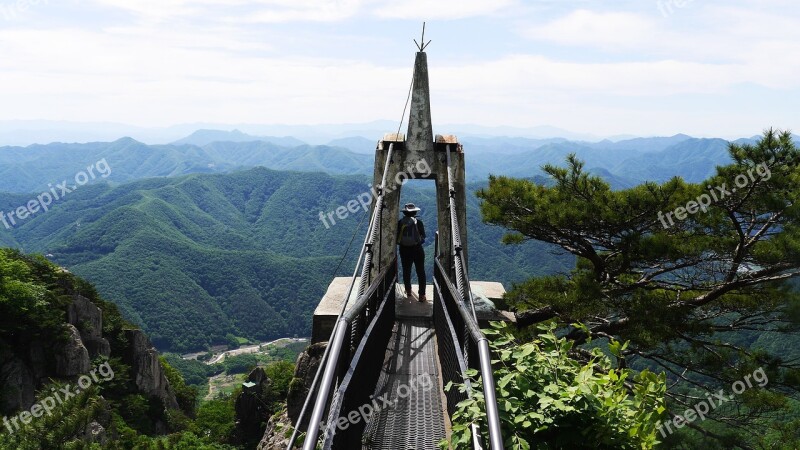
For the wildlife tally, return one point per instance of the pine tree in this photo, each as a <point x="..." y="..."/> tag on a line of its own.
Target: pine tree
<point x="690" y="274"/>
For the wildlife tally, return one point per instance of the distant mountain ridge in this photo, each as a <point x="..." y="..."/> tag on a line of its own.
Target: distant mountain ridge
<point x="31" y="169"/>
<point x="201" y="138"/>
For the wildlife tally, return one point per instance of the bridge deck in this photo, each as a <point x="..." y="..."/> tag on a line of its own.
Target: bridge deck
<point x="409" y="386"/>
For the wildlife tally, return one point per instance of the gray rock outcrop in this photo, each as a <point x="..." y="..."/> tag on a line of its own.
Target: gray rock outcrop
<point x="279" y="427"/>
<point x="88" y="319"/>
<point x="251" y="406"/>
<point x="147" y="371"/>
<point x="305" y="369"/>
<point x="276" y="436"/>
<point x="72" y="358"/>
<point x="17" y="380"/>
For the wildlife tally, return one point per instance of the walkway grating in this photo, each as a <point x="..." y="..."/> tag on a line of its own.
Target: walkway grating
<point x="410" y="382"/>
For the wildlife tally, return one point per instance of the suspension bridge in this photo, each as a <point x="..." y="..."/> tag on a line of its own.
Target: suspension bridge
<point x="390" y="355"/>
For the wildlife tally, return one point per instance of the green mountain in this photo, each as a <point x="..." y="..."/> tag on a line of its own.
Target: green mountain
<point x="192" y="259"/>
<point x="31" y="169"/>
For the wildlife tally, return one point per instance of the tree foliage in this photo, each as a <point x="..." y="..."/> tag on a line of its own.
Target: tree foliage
<point x="692" y="293"/>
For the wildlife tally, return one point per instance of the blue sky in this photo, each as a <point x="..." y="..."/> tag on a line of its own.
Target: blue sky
<point x="645" y="67"/>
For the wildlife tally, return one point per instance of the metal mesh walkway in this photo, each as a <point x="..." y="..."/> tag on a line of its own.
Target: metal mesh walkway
<point x="412" y="415"/>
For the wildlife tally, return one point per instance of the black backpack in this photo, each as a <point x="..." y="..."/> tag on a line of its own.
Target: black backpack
<point x="409" y="233"/>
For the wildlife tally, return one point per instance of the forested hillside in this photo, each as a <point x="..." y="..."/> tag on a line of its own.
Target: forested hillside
<point x="192" y="259"/>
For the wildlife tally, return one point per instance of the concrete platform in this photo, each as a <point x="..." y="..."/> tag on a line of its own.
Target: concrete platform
<point x="329" y="308"/>
<point x="484" y="293"/>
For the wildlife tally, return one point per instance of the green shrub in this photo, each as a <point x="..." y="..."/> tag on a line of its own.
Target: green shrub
<point x="549" y="400"/>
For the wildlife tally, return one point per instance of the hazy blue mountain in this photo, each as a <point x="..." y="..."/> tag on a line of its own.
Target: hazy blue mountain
<point x="643" y="145"/>
<point x="31" y="169"/>
<point x="356" y="144"/>
<point x="516" y="145"/>
<point x="624" y="163"/>
<point x="529" y="163"/>
<point x="616" y="181"/>
<point x="752" y="140"/>
<point x="505" y="145"/>
<point x="694" y="160"/>
<point x="201" y="138"/>
<point x="534" y="132"/>
<point x="305" y="158"/>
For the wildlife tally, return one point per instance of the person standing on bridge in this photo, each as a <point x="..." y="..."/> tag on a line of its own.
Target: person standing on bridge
<point x="410" y="237"/>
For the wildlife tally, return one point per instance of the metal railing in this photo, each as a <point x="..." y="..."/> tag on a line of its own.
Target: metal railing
<point x="337" y="391"/>
<point x="360" y="377"/>
<point x="351" y="330"/>
<point x="462" y="345"/>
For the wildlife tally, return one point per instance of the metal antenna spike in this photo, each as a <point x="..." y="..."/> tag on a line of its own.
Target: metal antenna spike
<point x="421" y="44"/>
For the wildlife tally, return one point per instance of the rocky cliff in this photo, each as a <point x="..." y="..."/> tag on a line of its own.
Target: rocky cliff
<point x="280" y="425"/>
<point x="26" y="367"/>
<point x="148" y="374"/>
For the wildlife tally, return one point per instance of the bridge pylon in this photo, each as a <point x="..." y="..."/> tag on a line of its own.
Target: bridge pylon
<point x="418" y="155"/>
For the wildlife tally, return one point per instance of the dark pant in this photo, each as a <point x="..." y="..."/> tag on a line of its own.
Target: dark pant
<point x="416" y="256"/>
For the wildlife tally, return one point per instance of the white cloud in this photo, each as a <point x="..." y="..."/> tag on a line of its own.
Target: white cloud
<point x="254" y="11"/>
<point x="608" y="30"/>
<point x="157" y="10"/>
<point x="514" y="75"/>
<point x="440" y="9"/>
<point x="275" y="11"/>
<point x="600" y="72"/>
